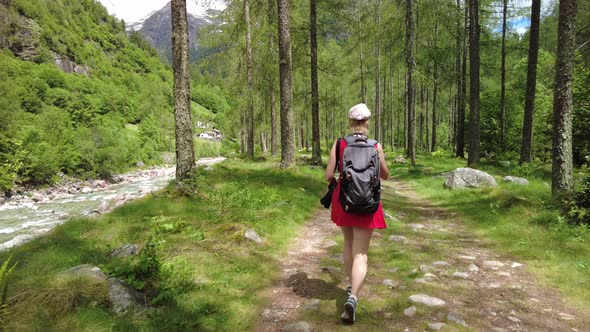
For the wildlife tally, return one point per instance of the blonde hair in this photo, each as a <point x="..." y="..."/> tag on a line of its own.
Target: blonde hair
<point x="359" y="126"/>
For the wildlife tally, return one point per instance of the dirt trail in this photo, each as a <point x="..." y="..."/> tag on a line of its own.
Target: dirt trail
<point x="426" y="250"/>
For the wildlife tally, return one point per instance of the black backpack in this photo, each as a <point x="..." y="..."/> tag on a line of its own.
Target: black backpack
<point x="360" y="187"/>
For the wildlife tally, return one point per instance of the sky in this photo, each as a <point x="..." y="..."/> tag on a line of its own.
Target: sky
<point x="136" y="10"/>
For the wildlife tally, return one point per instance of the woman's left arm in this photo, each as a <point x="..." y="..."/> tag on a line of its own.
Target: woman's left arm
<point x="383" y="163"/>
<point x="329" y="175"/>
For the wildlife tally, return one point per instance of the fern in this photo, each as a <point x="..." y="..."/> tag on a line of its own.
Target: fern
<point x="4" y="274"/>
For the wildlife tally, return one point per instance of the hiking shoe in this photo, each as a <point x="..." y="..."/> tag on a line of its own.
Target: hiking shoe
<point x="348" y="316"/>
<point x="349" y="290"/>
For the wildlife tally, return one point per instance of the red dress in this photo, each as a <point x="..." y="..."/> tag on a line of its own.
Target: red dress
<point x="341" y="218"/>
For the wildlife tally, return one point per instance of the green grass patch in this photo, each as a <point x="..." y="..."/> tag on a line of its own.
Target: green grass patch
<point x="521" y="221"/>
<point x="207" y="275"/>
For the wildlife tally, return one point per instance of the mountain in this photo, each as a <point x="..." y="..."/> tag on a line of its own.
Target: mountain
<point x="157" y="30"/>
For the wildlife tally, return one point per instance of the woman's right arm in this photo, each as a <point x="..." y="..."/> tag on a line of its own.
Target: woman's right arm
<point x="329" y="175"/>
<point x="383" y="163"/>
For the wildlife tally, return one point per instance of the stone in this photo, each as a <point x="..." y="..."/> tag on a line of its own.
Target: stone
<point x="441" y="263"/>
<point x="64" y="216"/>
<point x="86" y="190"/>
<point x="389" y="216"/>
<point x="515" y="265"/>
<point x="515" y="179"/>
<point x="122" y="296"/>
<point x="468" y="258"/>
<point x="427" y="300"/>
<point x="297" y="327"/>
<point x="493" y="264"/>
<point x="103" y="208"/>
<point x="312" y="305"/>
<point x="140" y="164"/>
<point x="499" y="329"/>
<point x="429" y="276"/>
<point x="473" y="268"/>
<point x="389" y="283"/>
<point x="398" y="238"/>
<point x="387" y="315"/>
<point x="37" y="197"/>
<point x="17" y="241"/>
<point x="416" y="226"/>
<point x="436" y="326"/>
<point x="564" y="316"/>
<point x="393" y="270"/>
<point x="86" y="270"/>
<point x="2" y="200"/>
<point x="424" y="268"/>
<point x="253" y="236"/>
<point x="514" y="319"/>
<point x="422" y="280"/>
<point x="400" y="160"/>
<point x="410" y="312"/>
<point x="377" y="234"/>
<point x="503" y="273"/>
<point x="456" y="317"/>
<point x="125" y="251"/>
<point x="465" y="177"/>
<point x="461" y="275"/>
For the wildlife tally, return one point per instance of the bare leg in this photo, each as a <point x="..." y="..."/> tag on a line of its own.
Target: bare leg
<point x="360" y="247"/>
<point x="347" y="251"/>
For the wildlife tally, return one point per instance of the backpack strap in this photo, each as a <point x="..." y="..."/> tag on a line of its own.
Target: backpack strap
<point x="337" y="153"/>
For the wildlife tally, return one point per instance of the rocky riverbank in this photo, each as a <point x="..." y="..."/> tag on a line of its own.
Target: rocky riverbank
<point x="31" y="213"/>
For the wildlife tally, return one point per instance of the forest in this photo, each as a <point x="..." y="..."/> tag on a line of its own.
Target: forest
<point x="240" y="242"/>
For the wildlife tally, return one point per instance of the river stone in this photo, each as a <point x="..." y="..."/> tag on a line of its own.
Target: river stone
<point x="16" y="241"/>
<point x="103" y="208"/>
<point x="297" y="327"/>
<point x="125" y="251"/>
<point x="493" y="264"/>
<point x="253" y="236"/>
<point x="436" y="326"/>
<point x="515" y="179"/>
<point x="398" y="238"/>
<point x="86" y="190"/>
<point x="86" y="270"/>
<point x="121" y="295"/>
<point x="465" y="177"/>
<point x="456" y="317"/>
<point x="427" y="300"/>
<point x="473" y="268"/>
<point x="410" y="312"/>
<point x="37" y="197"/>
<point x="461" y="275"/>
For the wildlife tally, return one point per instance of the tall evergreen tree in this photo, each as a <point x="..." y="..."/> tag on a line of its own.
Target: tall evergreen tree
<point x="503" y="77"/>
<point x="315" y="99"/>
<point x="410" y="102"/>
<point x="250" y="116"/>
<point x="287" y="131"/>
<point x="562" y="173"/>
<point x="526" y="149"/>
<point x="474" y="133"/>
<point x="185" y="154"/>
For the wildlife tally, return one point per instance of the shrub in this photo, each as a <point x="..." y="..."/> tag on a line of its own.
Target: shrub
<point x="579" y="212"/>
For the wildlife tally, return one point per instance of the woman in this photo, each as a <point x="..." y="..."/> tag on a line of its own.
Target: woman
<point x="357" y="229"/>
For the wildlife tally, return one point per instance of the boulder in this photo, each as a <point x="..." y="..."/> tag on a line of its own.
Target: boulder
<point x="86" y="270"/>
<point x="86" y="190"/>
<point x="465" y="177"/>
<point x="17" y="241"/>
<point x="37" y="197"/>
<point x="125" y="251"/>
<point x="122" y="296"/>
<point x="515" y="179"/>
<point x="103" y="208"/>
<point x="400" y="160"/>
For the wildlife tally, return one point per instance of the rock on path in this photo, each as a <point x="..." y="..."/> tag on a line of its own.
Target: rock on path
<point x="427" y="300"/>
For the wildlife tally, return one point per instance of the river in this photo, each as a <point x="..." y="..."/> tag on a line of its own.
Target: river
<point x="28" y="216"/>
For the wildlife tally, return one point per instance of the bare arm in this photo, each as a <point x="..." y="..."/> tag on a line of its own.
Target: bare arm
<point x="329" y="175"/>
<point x="383" y="163"/>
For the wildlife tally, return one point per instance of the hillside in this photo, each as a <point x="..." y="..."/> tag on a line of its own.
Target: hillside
<point x="70" y="80"/>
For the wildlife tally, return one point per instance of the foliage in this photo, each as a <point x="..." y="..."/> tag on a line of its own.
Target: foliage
<point x="5" y="273"/>
<point x="579" y="211"/>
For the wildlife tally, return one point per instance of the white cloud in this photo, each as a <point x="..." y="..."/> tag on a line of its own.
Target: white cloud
<point x="136" y="10"/>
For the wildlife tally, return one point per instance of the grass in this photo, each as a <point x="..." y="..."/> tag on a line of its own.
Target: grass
<point x="209" y="273"/>
<point x="521" y="221"/>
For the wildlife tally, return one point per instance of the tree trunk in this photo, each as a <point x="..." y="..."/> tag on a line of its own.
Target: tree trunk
<point x="315" y="99"/>
<point x="562" y="173"/>
<point x="462" y="88"/>
<point x="473" y="157"/>
<point x="503" y="78"/>
<point x="378" y="116"/>
<point x="411" y="150"/>
<point x="185" y="153"/>
<point x="435" y="90"/>
<point x="526" y="149"/>
<point x="361" y="55"/>
<point x="287" y="132"/>
<point x="250" y="117"/>
<point x="274" y="141"/>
